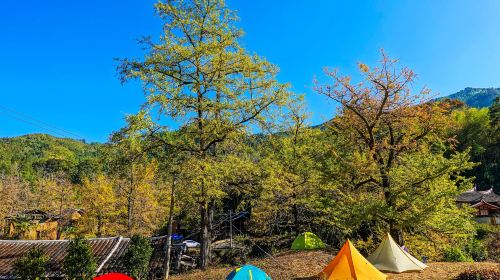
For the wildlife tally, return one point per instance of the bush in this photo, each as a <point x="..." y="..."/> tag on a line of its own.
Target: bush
<point x="137" y="256"/>
<point x="455" y="254"/>
<point x="492" y="243"/>
<point x="484" y="230"/>
<point x="476" y="250"/>
<point x="79" y="263"/>
<point x="481" y="274"/>
<point x="32" y="265"/>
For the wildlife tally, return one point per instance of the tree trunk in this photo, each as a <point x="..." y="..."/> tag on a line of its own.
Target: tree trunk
<point x="169" y="232"/>
<point x="205" y="236"/>
<point x="295" y="212"/>
<point x="397" y="234"/>
<point x="99" y="226"/>
<point x="130" y="200"/>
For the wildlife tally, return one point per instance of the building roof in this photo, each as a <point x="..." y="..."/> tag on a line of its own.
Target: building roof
<point x="107" y="251"/>
<point x="485" y="204"/>
<point x="473" y="196"/>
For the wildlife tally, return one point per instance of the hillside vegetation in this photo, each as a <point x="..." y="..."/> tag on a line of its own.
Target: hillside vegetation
<point x="35" y="154"/>
<point x="476" y="97"/>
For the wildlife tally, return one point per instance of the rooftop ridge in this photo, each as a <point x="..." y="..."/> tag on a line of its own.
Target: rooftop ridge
<point x="60" y="240"/>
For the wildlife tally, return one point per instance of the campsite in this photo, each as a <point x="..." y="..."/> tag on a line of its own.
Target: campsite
<point x="249" y="140"/>
<point x="305" y="264"/>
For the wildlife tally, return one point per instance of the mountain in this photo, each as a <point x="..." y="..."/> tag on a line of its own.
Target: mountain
<point x="475" y="97"/>
<point x="33" y="154"/>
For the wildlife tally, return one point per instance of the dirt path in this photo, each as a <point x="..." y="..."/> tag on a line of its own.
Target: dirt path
<point x="293" y="265"/>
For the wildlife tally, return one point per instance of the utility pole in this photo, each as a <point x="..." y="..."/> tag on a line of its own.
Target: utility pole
<point x="166" y="264"/>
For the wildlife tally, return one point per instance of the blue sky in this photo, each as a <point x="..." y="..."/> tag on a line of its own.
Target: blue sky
<point x="57" y="57"/>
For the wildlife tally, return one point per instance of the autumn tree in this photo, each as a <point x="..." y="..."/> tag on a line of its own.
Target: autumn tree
<point x="203" y="82"/>
<point x="135" y="174"/>
<point x="394" y="170"/>
<point x="16" y="195"/>
<point x="100" y="204"/>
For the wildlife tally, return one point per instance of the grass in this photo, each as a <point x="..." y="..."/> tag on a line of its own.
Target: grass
<point x="296" y="265"/>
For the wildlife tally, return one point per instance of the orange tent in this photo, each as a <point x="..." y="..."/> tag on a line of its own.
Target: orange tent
<point x="349" y="264"/>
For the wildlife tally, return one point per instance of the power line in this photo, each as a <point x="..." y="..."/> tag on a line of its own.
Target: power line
<point x="32" y="124"/>
<point x="37" y="123"/>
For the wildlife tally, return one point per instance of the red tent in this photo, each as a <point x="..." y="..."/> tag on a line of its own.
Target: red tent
<point x="114" y="276"/>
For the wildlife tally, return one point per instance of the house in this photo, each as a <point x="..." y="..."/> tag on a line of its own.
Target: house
<point x="32" y="225"/>
<point x="486" y="203"/>
<point x="37" y="224"/>
<point x="108" y="253"/>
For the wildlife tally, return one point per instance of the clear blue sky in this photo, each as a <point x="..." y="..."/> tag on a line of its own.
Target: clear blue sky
<point x="56" y="57"/>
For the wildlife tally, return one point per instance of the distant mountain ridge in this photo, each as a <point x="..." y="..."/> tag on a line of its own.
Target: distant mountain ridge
<point x="475" y="97"/>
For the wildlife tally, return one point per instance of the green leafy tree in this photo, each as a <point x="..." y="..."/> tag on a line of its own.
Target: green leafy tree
<point x="291" y="161"/>
<point x="493" y="150"/>
<point x="199" y="78"/>
<point x="394" y="170"/>
<point x="79" y="262"/>
<point x="136" y="258"/>
<point x="32" y="265"/>
<point x="473" y="132"/>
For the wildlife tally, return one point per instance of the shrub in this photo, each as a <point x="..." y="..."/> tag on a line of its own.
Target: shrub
<point x="455" y="254"/>
<point x="484" y="230"/>
<point x="136" y="258"/>
<point x="492" y="243"/>
<point x="79" y="263"/>
<point x="481" y="274"/>
<point x="32" y="265"/>
<point x="476" y="250"/>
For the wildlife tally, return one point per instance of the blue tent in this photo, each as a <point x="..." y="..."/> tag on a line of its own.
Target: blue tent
<point x="248" y="272"/>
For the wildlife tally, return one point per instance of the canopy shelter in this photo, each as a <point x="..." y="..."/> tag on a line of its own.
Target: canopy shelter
<point x="392" y="258"/>
<point x="349" y="264"/>
<point x="307" y="241"/>
<point x="248" y="272"/>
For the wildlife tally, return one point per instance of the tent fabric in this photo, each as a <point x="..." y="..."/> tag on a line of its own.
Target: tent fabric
<point x="307" y="241"/>
<point x="392" y="258"/>
<point x="248" y="272"/>
<point x="113" y="276"/>
<point x="349" y="264"/>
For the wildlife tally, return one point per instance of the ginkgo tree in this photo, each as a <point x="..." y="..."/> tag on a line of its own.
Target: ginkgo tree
<point x="198" y="79"/>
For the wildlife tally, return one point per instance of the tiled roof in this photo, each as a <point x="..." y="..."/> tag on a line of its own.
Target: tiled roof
<point x="107" y="251"/>
<point x="473" y="197"/>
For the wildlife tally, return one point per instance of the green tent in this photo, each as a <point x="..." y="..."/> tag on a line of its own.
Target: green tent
<point x="307" y="241"/>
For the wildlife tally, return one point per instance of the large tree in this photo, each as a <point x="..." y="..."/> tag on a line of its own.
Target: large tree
<point x="204" y="83"/>
<point x="395" y="170"/>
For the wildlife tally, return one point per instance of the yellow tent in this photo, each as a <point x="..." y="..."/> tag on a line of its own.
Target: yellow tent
<point x="349" y="264"/>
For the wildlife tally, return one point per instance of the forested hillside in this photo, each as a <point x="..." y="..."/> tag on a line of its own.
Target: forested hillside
<point x="35" y="154"/>
<point x="476" y="97"/>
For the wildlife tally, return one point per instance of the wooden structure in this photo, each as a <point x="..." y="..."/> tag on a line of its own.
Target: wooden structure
<point x="39" y="225"/>
<point x="486" y="203"/>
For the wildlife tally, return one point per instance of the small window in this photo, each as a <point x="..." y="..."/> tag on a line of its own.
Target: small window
<point x="483" y="212"/>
